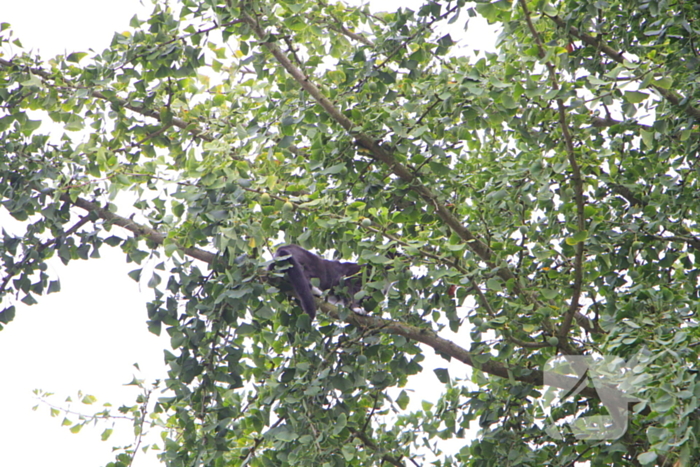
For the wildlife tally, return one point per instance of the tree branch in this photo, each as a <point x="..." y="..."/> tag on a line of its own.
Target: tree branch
<point x="368" y="442"/>
<point x="577" y="180"/>
<point x="190" y="127"/>
<point x="39" y="248"/>
<point x="619" y="58"/>
<point x="114" y="99"/>
<point x="340" y="27"/>
<point x="608" y="121"/>
<point x="448" y="348"/>
<point x="138" y="229"/>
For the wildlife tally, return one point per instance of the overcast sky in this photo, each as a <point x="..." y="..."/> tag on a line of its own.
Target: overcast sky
<point x="88" y="336"/>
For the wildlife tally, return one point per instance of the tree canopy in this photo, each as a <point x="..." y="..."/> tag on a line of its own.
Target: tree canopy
<point x="551" y="186"/>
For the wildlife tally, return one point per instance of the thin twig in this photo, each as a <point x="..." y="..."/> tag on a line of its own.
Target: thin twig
<point x="619" y="58"/>
<point x="577" y="180"/>
<point x="39" y="248"/>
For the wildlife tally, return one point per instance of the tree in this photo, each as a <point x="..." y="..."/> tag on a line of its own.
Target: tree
<point x="552" y="185"/>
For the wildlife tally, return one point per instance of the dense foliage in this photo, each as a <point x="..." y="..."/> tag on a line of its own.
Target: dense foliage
<point x="552" y="186"/>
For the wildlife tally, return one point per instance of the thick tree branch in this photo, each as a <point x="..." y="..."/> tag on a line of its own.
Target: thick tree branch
<point x="448" y="348"/>
<point x="138" y="229"/>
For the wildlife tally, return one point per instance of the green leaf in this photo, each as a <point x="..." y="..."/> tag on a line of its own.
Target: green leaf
<point x="288" y="375"/>
<point x="549" y="294"/>
<point x="488" y="11"/>
<point x="439" y="169"/>
<point x="88" y="399"/>
<point x="577" y="238"/>
<point x="245" y="329"/>
<point x="30" y="126"/>
<point x="7" y="315"/>
<point x="337" y="76"/>
<point x="135" y="274"/>
<point x="349" y="452"/>
<point x="442" y="374"/>
<point x="154" y="327"/>
<point x="589" y="211"/>
<point x="664" y="83"/>
<point x="106" y="434"/>
<point x="170" y="248"/>
<point x="635" y="97"/>
<point x="284" y="434"/>
<point x="509" y="102"/>
<point x="403" y="400"/>
<point x="54" y="286"/>
<point x="494" y="284"/>
<point x="74" y="124"/>
<point x="647" y="458"/>
<point x="76" y="57"/>
<point x="340" y="423"/>
<point x="334" y="169"/>
<point x="29" y="300"/>
<point x="32" y="80"/>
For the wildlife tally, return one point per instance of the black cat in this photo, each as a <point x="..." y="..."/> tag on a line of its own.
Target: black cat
<point x="304" y="265"/>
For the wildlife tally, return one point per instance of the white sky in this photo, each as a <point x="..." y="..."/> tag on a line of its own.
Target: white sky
<point x="88" y="336"/>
